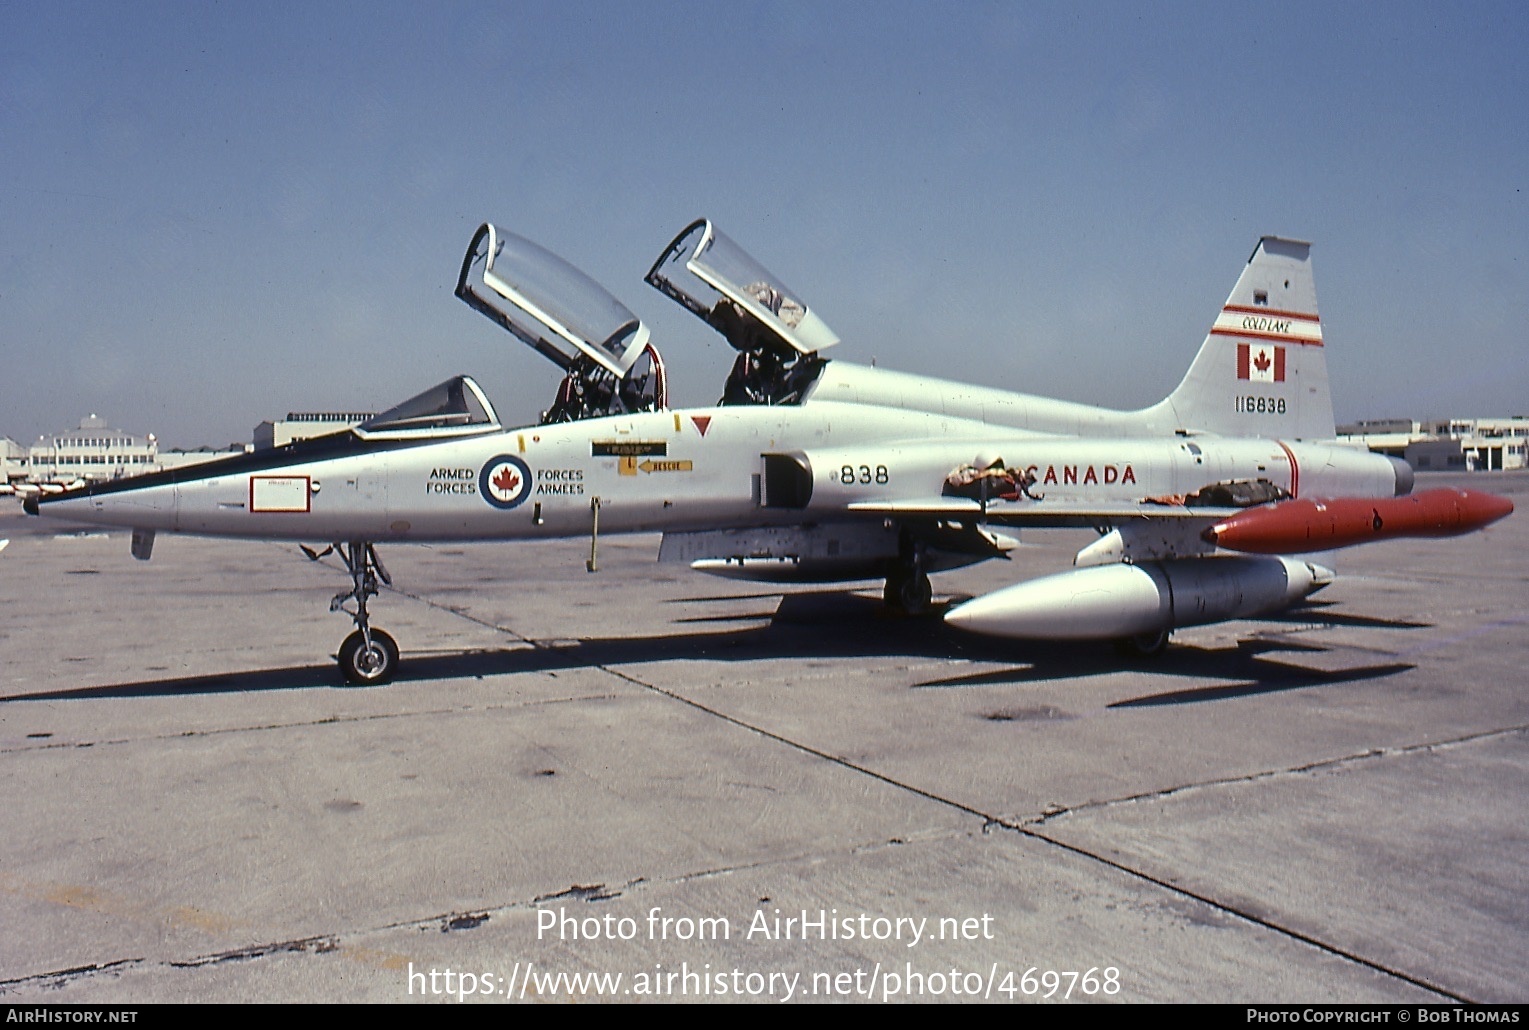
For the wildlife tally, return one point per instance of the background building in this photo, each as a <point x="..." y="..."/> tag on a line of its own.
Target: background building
<point x="1461" y="444"/>
<point x="304" y="425"/>
<point x="15" y="463"/>
<point x="93" y="450"/>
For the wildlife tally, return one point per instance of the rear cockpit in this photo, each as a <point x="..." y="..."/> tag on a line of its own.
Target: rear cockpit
<point x="609" y="364"/>
<point x="777" y="336"/>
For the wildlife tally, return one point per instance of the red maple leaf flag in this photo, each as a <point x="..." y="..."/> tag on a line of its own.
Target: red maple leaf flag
<point x="1260" y="363"/>
<point x="506" y="481"/>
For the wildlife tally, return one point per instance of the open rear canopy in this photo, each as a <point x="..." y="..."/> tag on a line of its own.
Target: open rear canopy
<point x="703" y="269"/>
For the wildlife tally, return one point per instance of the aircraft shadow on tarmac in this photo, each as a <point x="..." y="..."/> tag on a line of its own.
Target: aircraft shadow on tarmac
<point x="827" y="624"/>
<point x="1320" y="612"/>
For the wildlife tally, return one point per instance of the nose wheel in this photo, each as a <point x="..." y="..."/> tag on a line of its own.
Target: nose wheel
<point x="368" y="657"/>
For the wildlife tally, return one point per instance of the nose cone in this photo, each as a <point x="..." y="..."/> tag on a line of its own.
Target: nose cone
<point x="1316" y="577"/>
<point x="1095" y="603"/>
<point x="1404" y="476"/>
<point x="1479" y="509"/>
<point x="144" y="502"/>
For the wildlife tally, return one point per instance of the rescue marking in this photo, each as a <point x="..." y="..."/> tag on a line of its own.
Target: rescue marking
<point x="629" y="466"/>
<point x="505" y="481"/>
<point x="667" y="466"/>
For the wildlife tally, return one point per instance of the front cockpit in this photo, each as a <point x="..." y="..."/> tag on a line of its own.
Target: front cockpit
<point x="778" y="338"/>
<point x="610" y="366"/>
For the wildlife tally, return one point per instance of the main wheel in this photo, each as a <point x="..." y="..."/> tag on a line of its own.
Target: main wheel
<point x="909" y="594"/>
<point x="369" y="666"/>
<point x="1144" y="645"/>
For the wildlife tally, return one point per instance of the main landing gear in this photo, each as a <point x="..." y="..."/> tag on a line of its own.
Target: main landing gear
<point x="908" y="590"/>
<point x="368" y="656"/>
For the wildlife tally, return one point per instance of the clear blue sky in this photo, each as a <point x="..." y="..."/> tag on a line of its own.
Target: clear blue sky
<point x="212" y="214"/>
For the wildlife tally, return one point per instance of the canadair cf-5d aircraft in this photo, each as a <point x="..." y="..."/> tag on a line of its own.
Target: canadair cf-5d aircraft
<point x="817" y="469"/>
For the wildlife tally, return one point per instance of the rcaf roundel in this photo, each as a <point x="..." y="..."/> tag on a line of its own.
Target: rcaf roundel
<point x="505" y="481"/>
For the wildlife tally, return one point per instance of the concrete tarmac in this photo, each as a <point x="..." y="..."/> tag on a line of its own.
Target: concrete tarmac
<point x="675" y="787"/>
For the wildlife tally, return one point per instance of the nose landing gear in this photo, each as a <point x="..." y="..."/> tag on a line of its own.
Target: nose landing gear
<point x="368" y="656"/>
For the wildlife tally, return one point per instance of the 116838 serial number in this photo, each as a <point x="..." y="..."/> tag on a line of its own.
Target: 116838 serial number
<point x="1259" y="405"/>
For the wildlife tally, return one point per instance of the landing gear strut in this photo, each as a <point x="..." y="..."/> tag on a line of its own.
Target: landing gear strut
<point x="368" y="656"/>
<point x="908" y="590"/>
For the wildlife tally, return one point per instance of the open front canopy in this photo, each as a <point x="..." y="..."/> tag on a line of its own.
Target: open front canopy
<point x="548" y="303"/>
<point x="703" y="269"/>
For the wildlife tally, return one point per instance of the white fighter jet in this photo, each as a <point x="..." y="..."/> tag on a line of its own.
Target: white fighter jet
<point x="811" y="468"/>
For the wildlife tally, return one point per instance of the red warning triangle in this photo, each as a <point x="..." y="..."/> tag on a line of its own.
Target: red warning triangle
<point x="702" y="423"/>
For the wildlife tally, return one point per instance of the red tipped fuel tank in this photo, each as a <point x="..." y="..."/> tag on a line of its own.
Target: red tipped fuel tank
<point x="1295" y="527"/>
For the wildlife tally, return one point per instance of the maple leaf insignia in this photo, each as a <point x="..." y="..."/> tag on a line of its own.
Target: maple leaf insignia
<point x="506" y="481"/>
<point x="1262" y="361"/>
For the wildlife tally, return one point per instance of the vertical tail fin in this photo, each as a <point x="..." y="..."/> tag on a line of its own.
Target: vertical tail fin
<point x="1261" y="370"/>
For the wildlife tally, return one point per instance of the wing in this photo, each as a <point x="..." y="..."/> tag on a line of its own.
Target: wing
<point x="1042" y="514"/>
